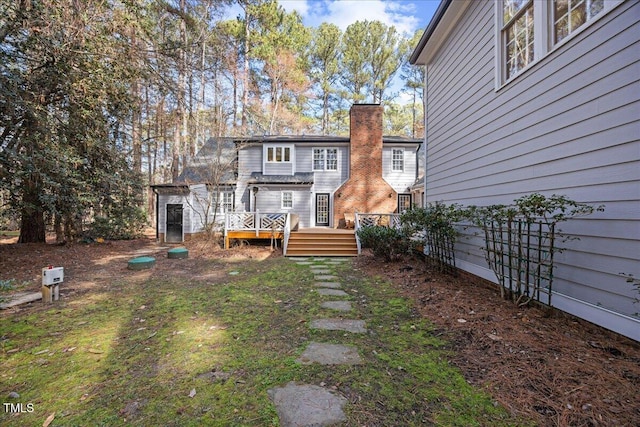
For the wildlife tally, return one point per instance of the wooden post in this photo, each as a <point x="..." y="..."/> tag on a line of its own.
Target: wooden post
<point x="46" y="294"/>
<point x="50" y="293"/>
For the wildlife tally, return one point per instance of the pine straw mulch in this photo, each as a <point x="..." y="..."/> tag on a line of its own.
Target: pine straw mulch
<point x="550" y="367"/>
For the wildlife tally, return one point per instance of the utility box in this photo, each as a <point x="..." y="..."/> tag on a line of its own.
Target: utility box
<point x="52" y="276"/>
<point x="51" y="279"/>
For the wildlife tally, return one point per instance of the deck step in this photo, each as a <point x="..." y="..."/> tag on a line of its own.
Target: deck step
<point x="325" y="243"/>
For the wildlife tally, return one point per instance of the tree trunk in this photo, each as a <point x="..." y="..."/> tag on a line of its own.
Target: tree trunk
<point x="32" y="225"/>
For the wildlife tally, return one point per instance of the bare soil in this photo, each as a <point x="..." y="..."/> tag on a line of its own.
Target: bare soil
<point x="549" y="367"/>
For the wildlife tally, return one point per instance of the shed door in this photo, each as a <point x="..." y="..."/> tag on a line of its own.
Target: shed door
<point x="322" y="209"/>
<point x="174" y="224"/>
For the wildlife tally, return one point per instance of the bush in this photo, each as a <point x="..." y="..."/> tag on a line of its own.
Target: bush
<point x="385" y="242"/>
<point x="126" y="224"/>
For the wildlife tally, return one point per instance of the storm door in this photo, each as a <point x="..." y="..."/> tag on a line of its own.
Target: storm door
<point x="174" y="224"/>
<point x="322" y="209"/>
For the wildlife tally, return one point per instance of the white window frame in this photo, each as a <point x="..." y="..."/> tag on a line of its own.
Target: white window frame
<point x="319" y="156"/>
<point x="322" y="155"/>
<point x="271" y="153"/>
<point x="226" y="201"/>
<point x="283" y="199"/>
<point x="327" y="159"/>
<point x="394" y="160"/>
<point x="543" y="35"/>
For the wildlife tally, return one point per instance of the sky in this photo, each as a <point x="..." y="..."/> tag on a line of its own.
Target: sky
<point x="406" y="15"/>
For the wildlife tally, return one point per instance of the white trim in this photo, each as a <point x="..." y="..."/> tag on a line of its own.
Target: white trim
<point x="543" y="36"/>
<point x="282" y="206"/>
<point x="605" y="318"/>
<point x="166" y="205"/>
<point x="401" y="150"/>
<point x="325" y="159"/>
<point x="600" y="316"/>
<point x="275" y="147"/>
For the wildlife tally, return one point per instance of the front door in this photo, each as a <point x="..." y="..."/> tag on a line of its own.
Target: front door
<point x="322" y="209"/>
<point x="174" y="224"/>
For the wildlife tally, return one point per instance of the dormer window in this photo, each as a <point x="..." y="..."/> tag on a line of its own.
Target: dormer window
<point x="278" y="154"/>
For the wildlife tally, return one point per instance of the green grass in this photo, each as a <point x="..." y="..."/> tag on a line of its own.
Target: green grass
<point x="133" y="354"/>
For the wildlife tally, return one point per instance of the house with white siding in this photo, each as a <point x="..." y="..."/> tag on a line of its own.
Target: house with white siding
<point x="543" y="96"/>
<point x="318" y="179"/>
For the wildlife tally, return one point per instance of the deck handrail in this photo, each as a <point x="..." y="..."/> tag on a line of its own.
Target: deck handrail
<point x="372" y="219"/>
<point x="287" y="234"/>
<point x="255" y="221"/>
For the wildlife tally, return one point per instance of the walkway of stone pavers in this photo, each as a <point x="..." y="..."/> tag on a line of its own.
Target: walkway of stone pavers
<point x="310" y="405"/>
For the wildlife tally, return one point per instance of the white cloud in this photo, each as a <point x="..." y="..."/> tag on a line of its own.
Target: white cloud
<point x="400" y="14"/>
<point x="301" y="6"/>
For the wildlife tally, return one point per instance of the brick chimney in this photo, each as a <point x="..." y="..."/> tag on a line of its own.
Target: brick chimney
<point x="365" y="190"/>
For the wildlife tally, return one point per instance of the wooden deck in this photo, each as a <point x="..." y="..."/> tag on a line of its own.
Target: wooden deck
<point x="251" y="235"/>
<point x="316" y="241"/>
<point x="322" y="242"/>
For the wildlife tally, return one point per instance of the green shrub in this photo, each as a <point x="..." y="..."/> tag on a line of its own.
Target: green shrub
<point x="125" y="224"/>
<point x="385" y="242"/>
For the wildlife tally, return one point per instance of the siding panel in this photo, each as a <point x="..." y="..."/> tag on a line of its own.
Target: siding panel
<point x="570" y="125"/>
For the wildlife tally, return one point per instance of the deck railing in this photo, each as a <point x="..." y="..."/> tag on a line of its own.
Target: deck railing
<point x="255" y="221"/>
<point x="287" y="234"/>
<point x="371" y="219"/>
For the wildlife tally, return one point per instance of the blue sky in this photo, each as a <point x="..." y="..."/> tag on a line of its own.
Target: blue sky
<point x="406" y="15"/>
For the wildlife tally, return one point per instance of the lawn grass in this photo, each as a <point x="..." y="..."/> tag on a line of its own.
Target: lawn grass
<point x="184" y="352"/>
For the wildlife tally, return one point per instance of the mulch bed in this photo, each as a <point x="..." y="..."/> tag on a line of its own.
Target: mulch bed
<point x="541" y="364"/>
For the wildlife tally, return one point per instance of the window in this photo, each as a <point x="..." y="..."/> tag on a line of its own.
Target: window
<point x="226" y="201"/>
<point x="318" y="159"/>
<point x="278" y="154"/>
<point x="397" y="160"/>
<point x="325" y="159"/>
<point x="286" y="198"/>
<point x="332" y="159"/>
<point x="568" y="15"/>
<point x="518" y="35"/>
<point x="404" y="202"/>
<point x="530" y="29"/>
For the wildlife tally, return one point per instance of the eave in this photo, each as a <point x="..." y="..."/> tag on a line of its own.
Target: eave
<point x="440" y="26"/>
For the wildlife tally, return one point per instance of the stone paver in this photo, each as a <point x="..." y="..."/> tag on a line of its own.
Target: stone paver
<point x="337" y="305"/>
<point x="326" y="277"/>
<point x="332" y="292"/>
<point x="307" y="405"/>
<point x="330" y="354"/>
<point x="310" y="405"/>
<point x="332" y="285"/>
<point x="355" y="326"/>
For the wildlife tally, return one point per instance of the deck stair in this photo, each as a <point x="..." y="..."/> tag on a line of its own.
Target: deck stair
<point x="322" y="242"/>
